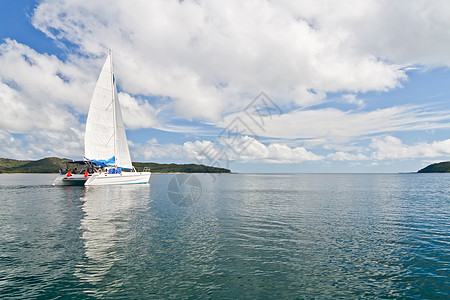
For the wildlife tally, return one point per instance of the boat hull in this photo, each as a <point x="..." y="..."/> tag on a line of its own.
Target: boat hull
<point x="123" y="178"/>
<point x="74" y="179"/>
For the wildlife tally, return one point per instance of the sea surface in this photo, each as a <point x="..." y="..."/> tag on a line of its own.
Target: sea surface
<point x="229" y="236"/>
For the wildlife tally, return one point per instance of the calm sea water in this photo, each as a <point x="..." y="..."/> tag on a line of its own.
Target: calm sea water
<point x="232" y="236"/>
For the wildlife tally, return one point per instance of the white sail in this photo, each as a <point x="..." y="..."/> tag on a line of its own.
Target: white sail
<point x="122" y="153"/>
<point x="105" y="139"/>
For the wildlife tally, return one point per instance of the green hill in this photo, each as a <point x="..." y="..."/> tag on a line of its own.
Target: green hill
<point x="54" y="164"/>
<point x="442" y="167"/>
<point x="175" y="168"/>
<point x="45" y="165"/>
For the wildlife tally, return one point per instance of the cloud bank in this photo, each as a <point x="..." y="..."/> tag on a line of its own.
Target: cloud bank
<point x="380" y="148"/>
<point x="207" y="55"/>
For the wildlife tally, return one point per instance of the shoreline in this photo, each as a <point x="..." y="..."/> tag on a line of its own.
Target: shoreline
<point x="138" y="172"/>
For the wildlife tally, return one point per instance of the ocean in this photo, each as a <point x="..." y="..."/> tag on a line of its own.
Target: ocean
<point x="227" y="236"/>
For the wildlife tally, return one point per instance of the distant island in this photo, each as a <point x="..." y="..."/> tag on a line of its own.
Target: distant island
<point x="442" y="167"/>
<point x="54" y="164"/>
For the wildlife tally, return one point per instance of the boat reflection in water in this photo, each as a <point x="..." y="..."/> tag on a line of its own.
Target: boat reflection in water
<point x="106" y="231"/>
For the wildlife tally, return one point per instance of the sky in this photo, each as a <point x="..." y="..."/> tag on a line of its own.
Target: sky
<point x="255" y="86"/>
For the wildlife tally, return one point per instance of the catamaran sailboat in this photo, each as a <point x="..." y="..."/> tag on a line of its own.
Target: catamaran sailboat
<point x="105" y="142"/>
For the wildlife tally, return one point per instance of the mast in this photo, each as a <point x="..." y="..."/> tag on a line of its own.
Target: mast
<point x="113" y="84"/>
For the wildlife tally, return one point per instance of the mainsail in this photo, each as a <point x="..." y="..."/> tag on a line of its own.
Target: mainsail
<point x="105" y="141"/>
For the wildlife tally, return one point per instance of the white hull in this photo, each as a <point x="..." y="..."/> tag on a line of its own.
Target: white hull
<point x="74" y="179"/>
<point x="123" y="178"/>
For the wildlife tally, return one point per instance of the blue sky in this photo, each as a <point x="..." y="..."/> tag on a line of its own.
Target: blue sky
<point x="354" y="86"/>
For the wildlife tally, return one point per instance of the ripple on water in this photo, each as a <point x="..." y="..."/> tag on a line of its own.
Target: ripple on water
<point x="249" y="236"/>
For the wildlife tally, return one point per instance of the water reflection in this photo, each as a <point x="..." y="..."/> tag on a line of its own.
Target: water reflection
<point x="106" y="230"/>
<point x="248" y="236"/>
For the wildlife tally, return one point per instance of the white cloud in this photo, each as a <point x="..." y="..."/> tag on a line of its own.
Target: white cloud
<point x="36" y="90"/>
<point x="19" y="114"/>
<point x="11" y="147"/>
<point x="275" y="153"/>
<point x="209" y="55"/>
<point x="330" y="125"/>
<point x="246" y="149"/>
<point x="343" y="156"/>
<point x="37" y="144"/>
<point x="389" y="147"/>
<point x="351" y="99"/>
<point x="188" y="151"/>
<point x="386" y="148"/>
<point x="137" y="113"/>
<point x="43" y="78"/>
<point x="407" y="32"/>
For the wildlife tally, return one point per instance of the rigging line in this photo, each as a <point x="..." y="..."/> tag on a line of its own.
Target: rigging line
<point x="112" y="101"/>
<point x="110" y="140"/>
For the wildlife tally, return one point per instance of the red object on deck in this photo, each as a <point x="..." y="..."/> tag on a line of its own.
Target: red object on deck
<point x="86" y="174"/>
<point x="69" y="174"/>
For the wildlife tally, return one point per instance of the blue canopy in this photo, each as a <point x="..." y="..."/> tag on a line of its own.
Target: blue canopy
<point x="106" y="163"/>
<point x="103" y="163"/>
